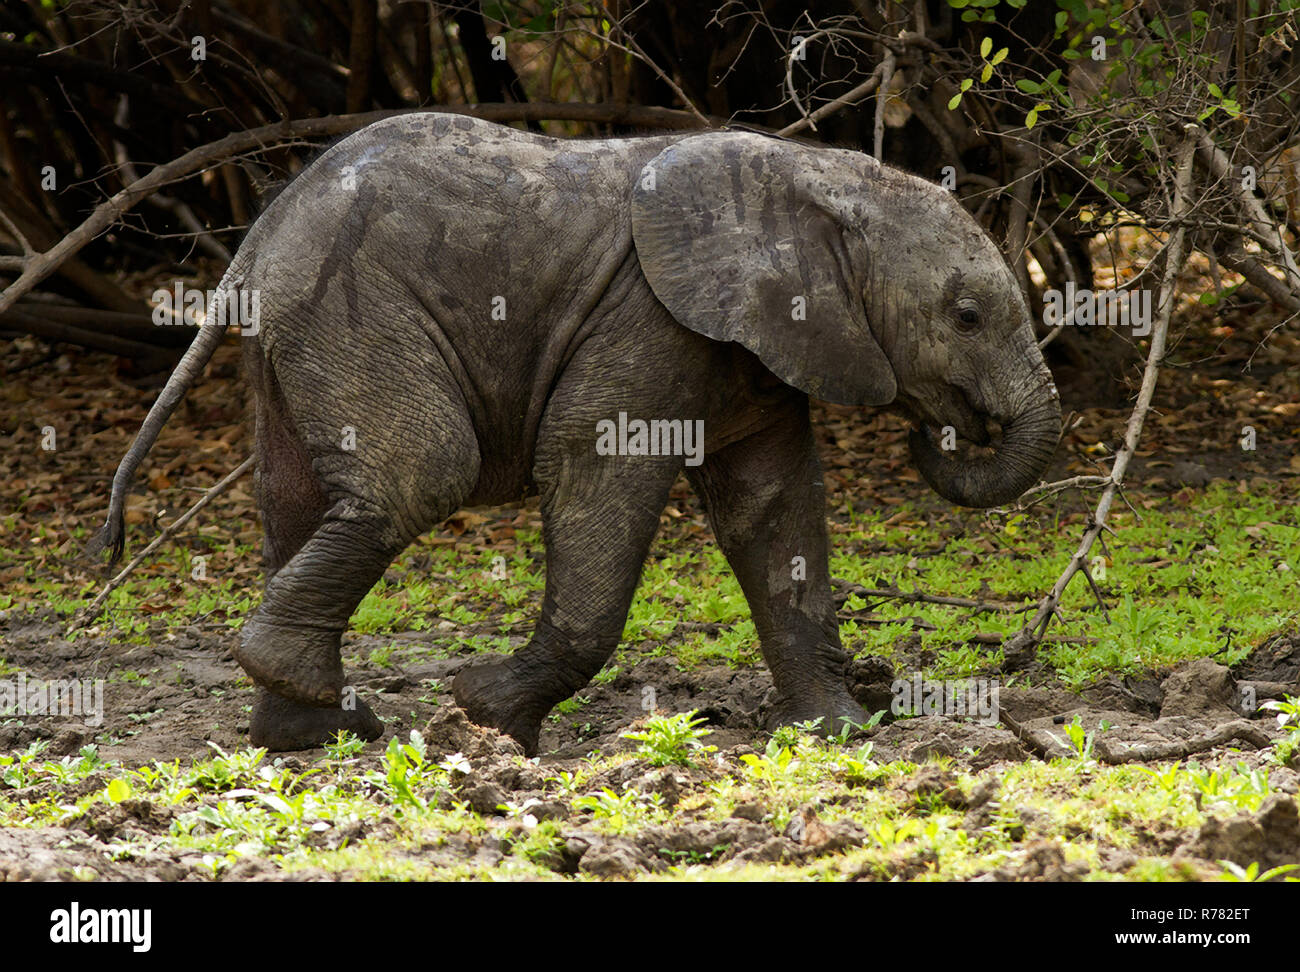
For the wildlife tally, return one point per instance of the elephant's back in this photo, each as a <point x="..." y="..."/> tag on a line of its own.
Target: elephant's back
<point x="447" y="197"/>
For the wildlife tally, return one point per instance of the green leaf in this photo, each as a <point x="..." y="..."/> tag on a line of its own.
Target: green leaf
<point x="969" y="15"/>
<point x="966" y="83"/>
<point x="986" y="45"/>
<point x="276" y="803"/>
<point x="1031" y="118"/>
<point x="986" y="74"/>
<point x="954" y="101"/>
<point x="1214" y="90"/>
<point x="1029" y="87"/>
<point x="117" y="791"/>
<point x="1000" y="56"/>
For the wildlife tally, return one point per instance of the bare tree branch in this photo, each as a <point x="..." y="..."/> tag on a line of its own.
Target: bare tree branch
<point x="1021" y="646"/>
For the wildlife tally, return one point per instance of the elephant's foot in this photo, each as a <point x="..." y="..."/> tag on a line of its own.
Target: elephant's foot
<point x="834" y="708"/>
<point x="491" y="696"/>
<point x="296" y="662"/>
<point x="280" y="724"/>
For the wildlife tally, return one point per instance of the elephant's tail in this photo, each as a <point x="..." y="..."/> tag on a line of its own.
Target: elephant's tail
<point x="111" y="536"/>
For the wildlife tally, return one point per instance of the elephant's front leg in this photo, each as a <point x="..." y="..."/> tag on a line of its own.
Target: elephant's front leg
<point x="599" y="516"/>
<point x="766" y="503"/>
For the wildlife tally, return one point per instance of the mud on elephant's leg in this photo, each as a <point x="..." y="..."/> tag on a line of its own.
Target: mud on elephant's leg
<point x="597" y="538"/>
<point x="766" y="503"/>
<point x="291" y="643"/>
<point x="402" y="477"/>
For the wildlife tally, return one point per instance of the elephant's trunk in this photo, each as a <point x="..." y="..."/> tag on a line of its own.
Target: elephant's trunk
<point x="1028" y="440"/>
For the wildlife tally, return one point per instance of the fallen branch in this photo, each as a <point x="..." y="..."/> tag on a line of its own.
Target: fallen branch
<point x="1240" y="729"/>
<point x="135" y="327"/>
<point x="92" y="611"/>
<point x="1042" y="744"/>
<point x="1047" y="746"/>
<point x="1020" y="648"/>
<point x="152" y="356"/>
<point x="39" y="266"/>
<point x="916" y="597"/>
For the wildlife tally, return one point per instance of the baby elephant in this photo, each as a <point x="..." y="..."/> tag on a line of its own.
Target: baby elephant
<point x="452" y="312"/>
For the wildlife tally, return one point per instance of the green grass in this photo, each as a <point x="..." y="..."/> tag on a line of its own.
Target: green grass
<point x="1211" y="574"/>
<point x="391" y="815"/>
<point x="1202" y="573"/>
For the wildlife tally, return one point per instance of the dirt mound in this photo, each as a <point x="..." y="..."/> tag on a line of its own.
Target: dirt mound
<point x="451" y="732"/>
<point x="1201" y="689"/>
<point x="1273" y="667"/>
<point x="1270" y="837"/>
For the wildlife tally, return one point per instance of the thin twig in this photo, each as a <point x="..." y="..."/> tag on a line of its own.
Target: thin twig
<point x="848" y="98"/>
<point x="633" y="48"/>
<point x="1020" y="646"/>
<point x="92" y="611"/>
<point x="917" y="597"/>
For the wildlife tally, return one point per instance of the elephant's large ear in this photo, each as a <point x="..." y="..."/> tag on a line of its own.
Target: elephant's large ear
<point x="740" y="238"/>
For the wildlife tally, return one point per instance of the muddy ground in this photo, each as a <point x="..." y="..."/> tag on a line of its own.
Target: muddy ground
<point x="168" y="700"/>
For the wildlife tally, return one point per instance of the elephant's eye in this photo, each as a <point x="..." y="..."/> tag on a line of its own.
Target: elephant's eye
<point x="969" y="318"/>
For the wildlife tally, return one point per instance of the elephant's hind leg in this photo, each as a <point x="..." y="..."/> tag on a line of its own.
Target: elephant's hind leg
<point x="292" y="505"/>
<point x="290" y="498"/>
<point x="387" y="474"/>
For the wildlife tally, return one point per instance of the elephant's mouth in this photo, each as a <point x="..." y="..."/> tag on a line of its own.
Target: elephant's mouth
<point x="952" y="423"/>
<point x="974" y="459"/>
<point x="979" y="438"/>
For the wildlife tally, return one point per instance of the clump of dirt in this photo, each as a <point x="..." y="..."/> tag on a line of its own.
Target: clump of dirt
<point x="1042" y="860"/>
<point x="1270" y="837"/>
<point x="1200" y="689"/>
<point x="1273" y="668"/>
<point x="450" y="731"/>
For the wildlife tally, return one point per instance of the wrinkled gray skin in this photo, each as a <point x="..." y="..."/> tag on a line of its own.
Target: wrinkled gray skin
<point x="670" y="297"/>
